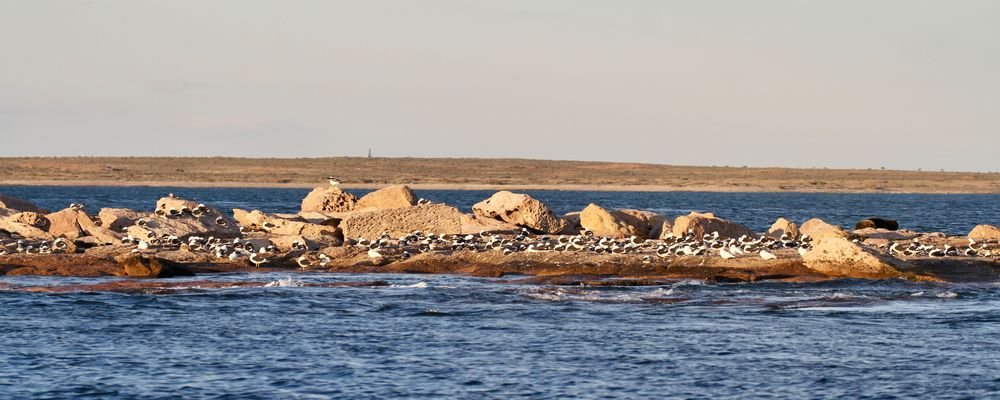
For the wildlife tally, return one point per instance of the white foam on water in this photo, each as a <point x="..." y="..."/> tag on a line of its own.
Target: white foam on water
<point x="287" y="282"/>
<point x="418" y="285"/>
<point x="843" y="296"/>
<point x="947" y="295"/>
<point x="917" y="294"/>
<point x="572" y="294"/>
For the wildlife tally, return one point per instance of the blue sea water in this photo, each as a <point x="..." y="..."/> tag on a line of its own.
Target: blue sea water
<point x="431" y="336"/>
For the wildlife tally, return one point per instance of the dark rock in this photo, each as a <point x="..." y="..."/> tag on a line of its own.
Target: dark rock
<point x="877" y="223"/>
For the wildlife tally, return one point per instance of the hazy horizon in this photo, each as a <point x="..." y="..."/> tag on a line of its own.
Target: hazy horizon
<point x="897" y="84"/>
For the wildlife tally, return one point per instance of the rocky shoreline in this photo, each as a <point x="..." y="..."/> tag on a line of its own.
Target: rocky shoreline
<point x="510" y="236"/>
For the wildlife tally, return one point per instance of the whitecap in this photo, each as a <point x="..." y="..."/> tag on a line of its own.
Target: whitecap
<point x="418" y="285"/>
<point x="287" y="282"/>
<point x="947" y="295"/>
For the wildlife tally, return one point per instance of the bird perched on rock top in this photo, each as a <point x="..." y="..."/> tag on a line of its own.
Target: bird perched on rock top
<point x="333" y="181"/>
<point x="767" y="255"/>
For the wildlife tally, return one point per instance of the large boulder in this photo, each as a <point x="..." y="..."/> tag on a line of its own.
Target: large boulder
<point x="15" y="203"/>
<point x="211" y="222"/>
<point x="521" y="210"/>
<point x="117" y="219"/>
<point x="783" y="227"/>
<point x="295" y="226"/>
<point x="397" y="196"/>
<point x="142" y="266"/>
<point x="817" y="228"/>
<point x="328" y="199"/>
<point x="472" y="224"/>
<point x="66" y="223"/>
<point x="839" y="257"/>
<point x="985" y="232"/>
<point x="28" y="224"/>
<point x="430" y="218"/>
<point x="705" y="223"/>
<point x="612" y="223"/>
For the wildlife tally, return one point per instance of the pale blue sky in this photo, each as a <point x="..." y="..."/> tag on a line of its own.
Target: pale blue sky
<point x="901" y="84"/>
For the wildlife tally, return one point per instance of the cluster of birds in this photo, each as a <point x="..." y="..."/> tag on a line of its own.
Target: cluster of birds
<point x="586" y="242"/>
<point x="916" y="249"/>
<point x="21" y="246"/>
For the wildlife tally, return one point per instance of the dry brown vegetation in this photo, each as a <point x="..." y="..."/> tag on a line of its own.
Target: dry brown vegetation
<point x="476" y="173"/>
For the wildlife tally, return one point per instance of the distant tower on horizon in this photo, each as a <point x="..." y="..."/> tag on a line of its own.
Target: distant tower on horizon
<point x="369" y="152"/>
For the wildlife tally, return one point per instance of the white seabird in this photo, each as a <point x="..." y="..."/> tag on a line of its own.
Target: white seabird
<point x="333" y="181"/>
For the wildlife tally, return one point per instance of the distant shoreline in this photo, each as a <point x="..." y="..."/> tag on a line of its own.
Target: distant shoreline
<point x="440" y="186"/>
<point x="477" y="174"/>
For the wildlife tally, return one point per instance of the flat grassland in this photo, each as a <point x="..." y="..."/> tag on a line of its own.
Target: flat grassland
<point x="472" y="173"/>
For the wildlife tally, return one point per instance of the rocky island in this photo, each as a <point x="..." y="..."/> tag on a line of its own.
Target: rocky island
<point x="508" y="235"/>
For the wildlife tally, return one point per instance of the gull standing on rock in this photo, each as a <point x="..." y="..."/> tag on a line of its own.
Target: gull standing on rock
<point x="333" y="181"/>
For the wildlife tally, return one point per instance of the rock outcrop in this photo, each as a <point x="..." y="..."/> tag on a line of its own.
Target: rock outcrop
<point x="877" y="223"/>
<point x="117" y="219"/>
<point x="839" y="257"/>
<point x="73" y="223"/>
<point x="816" y="228"/>
<point x="327" y="200"/>
<point x="612" y="223"/>
<point x="521" y="210"/>
<point x="985" y="232"/>
<point x="701" y="224"/>
<point x="142" y="266"/>
<point x="27" y="224"/>
<point x="209" y="222"/>
<point x="397" y="196"/>
<point x="14" y="203"/>
<point x="783" y="227"/>
<point x="430" y="218"/>
<point x="274" y="225"/>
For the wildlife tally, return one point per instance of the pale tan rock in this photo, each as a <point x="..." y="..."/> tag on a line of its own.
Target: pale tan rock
<point x="65" y="223"/>
<point x="328" y="199"/>
<point x="816" y="228"/>
<point x="21" y="205"/>
<point x="837" y="256"/>
<point x="885" y="234"/>
<point x="29" y="225"/>
<point x="475" y="225"/>
<point x="430" y="218"/>
<point x="783" y="227"/>
<point x="175" y="203"/>
<point x="612" y="224"/>
<point x="250" y="219"/>
<point x="117" y="219"/>
<point x="73" y="223"/>
<point x="219" y="226"/>
<point x="573" y="226"/>
<point x="397" y="196"/>
<point x="706" y="223"/>
<point x="985" y="232"/>
<point x="521" y="210"/>
<point x="648" y="221"/>
<point x="288" y="243"/>
<point x="319" y="218"/>
<point x="274" y="225"/>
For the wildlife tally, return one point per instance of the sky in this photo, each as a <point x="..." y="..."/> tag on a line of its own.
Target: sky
<point x="902" y="84"/>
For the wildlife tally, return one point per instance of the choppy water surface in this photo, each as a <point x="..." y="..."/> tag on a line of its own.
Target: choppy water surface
<point x="459" y="337"/>
<point x="297" y="336"/>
